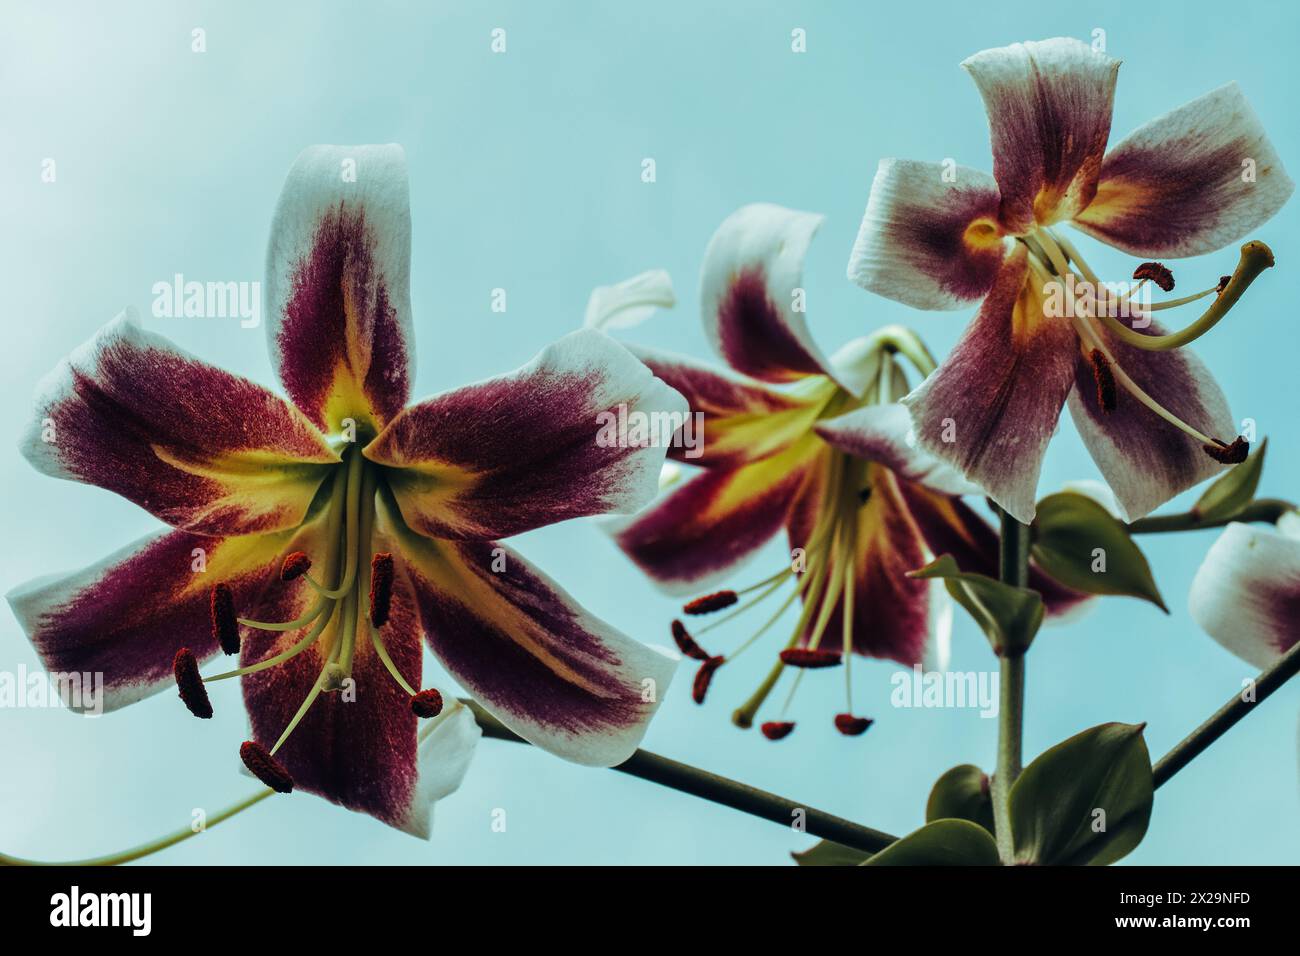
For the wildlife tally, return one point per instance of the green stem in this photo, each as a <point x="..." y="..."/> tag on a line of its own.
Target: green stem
<point x="1013" y="570"/>
<point x="1267" y="510"/>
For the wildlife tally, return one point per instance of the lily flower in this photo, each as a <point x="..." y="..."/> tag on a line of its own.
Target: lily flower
<point x="319" y="538"/>
<point x="815" y="447"/>
<point x="1049" y="330"/>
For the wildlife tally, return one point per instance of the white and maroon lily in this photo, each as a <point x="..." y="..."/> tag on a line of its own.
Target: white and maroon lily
<point x="941" y="237"/>
<point x="343" y="525"/>
<point x="819" y="448"/>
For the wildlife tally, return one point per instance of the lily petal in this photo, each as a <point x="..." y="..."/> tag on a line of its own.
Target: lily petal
<point x="200" y="448"/>
<point x="1145" y="460"/>
<point x="1190" y="182"/>
<point x="128" y="615"/>
<point x="338" y="285"/>
<point x="752" y="293"/>
<point x="1049" y="106"/>
<point x="531" y="655"/>
<point x="539" y="445"/>
<point x="930" y="236"/>
<point x="1246" y="594"/>
<point x="629" y="302"/>
<point x="993" y="404"/>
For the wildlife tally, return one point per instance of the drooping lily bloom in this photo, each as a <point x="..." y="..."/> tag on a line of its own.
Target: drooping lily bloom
<point x="819" y="448"/>
<point x="1049" y="331"/>
<point x="319" y="539"/>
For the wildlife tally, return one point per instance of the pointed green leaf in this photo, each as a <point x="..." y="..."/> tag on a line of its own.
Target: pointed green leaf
<point x="1232" y="492"/>
<point x="829" y="853"/>
<point x="962" y="794"/>
<point x="1085" y="801"/>
<point x="1009" y="616"/>
<point x="941" y="843"/>
<point x="1081" y="544"/>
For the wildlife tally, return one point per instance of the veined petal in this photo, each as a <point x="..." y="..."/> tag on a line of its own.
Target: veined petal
<point x="711" y="525"/>
<point x="338" y="285"/>
<point x="751" y="291"/>
<point x="581" y="430"/>
<point x="993" y="404"/>
<point x="1246" y="594"/>
<point x="200" y="448"/>
<point x="743" y="419"/>
<point x="929" y="240"/>
<point x="1189" y="182"/>
<point x="128" y="615"/>
<point x="547" y="669"/>
<point x="1144" y="459"/>
<point x="629" y="302"/>
<point x="1049" y="106"/>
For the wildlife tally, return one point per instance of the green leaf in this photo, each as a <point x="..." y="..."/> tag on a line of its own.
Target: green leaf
<point x="1081" y="544"/>
<point x="1085" y="801"/>
<point x="962" y="794"/>
<point x="1232" y="492"/>
<point x="941" y="843"/>
<point x="829" y="853"/>
<point x="1009" y="616"/>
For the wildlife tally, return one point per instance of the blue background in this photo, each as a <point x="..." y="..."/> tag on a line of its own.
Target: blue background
<point x="525" y="174"/>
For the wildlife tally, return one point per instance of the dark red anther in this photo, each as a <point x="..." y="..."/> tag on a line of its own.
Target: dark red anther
<point x="711" y="602"/>
<point x="704" y="676"/>
<point x="1157" y="273"/>
<point x="264" y="767"/>
<point x="851" y="726"/>
<point x="225" y="626"/>
<point x="776" y="729"/>
<point x="295" y="566"/>
<point x="1226" y="454"/>
<point x="185" y="668"/>
<point x="381" y="587"/>
<point x="686" y="644"/>
<point x="427" y="703"/>
<point x="809" y="657"/>
<point x="1107" y="395"/>
<point x="1223" y="284"/>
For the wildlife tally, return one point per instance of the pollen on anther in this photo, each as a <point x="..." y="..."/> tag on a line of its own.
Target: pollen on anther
<point x="264" y="767"/>
<point x="295" y="566"/>
<point x="427" y="703"/>
<point x="185" y="668"/>
<point x="851" y="726"/>
<point x="1104" y="376"/>
<point x="776" y="729"/>
<point x="225" y="626"/>
<point x="810" y="657"/>
<point x="381" y="587"/>
<point x="1229" y="454"/>
<point x="710" y="602"/>
<point x="686" y="644"/>
<point x="704" y="677"/>
<point x="1157" y="273"/>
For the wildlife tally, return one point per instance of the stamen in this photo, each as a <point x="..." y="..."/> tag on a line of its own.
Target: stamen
<point x="776" y="729"/>
<point x="265" y="767"/>
<point x="225" y="626"/>
<point x="686" y="644"/>
<point x="851" y="726"/>
<point x="704" y="677"/>
<point x="307" y="641"/>
<point x="1157" y="273"/>
<point x="381" y="587"/>
<point x="427" y="703"/>
<point x="382" y="651"/>
<point x="1229" y="454"/>
<point x="711" y="602"/>
<point x="185" y="668"/>
<point x="295" y="565"/>
<point x="810" y="657"/>
<point x="1105" y="379"/>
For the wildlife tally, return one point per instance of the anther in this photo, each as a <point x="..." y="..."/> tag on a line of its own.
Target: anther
<point x="381" y="587"/>
<point x="264" y="767"/>
<point x="1105" y="379"/>
<point x="1157" y="273"/>
<point x="295" y="566"/>
<point x="1228" y="454"/>
<point x="1223" y="284"/>
<point x="809" y="657"/>
<point x="185" y="668"/>
<point x="686" y="644"/>
<point x="776" y="729"/>
<point x="225" y="626"/>
<point x="427" y="703"/>
<point x="704" y="676"/>
<point x="851" y="726"/>
<point x="711" y="602"/>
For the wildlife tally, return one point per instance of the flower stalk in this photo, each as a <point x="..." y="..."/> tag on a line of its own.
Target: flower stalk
<point x="1013" y="570"/>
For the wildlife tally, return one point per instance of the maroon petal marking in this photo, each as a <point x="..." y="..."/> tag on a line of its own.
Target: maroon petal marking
<point x="185" y="668"/>
<point x="264" y="767"/>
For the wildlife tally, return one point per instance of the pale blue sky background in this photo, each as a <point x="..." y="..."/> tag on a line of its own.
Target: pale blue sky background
<point x="525" y="174"/>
